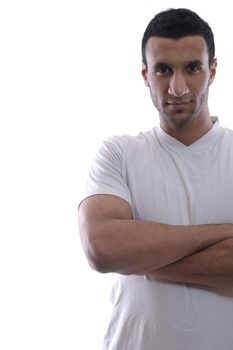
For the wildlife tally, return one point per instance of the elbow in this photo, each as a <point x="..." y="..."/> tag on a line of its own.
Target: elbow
<point x="93" y="246"/>
<point x="98" y="261"/>
<point x="96" y="254"/>
<point x="97" y="264"/>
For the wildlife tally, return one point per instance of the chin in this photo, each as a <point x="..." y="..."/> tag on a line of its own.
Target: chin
<point x="180" y="121"/>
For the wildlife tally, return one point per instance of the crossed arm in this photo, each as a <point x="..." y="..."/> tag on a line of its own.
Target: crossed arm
<point x="114" y="242"/>
<point x="212" y="266"/>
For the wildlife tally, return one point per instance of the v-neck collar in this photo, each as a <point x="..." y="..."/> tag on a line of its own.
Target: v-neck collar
<point x="174" y="144"/>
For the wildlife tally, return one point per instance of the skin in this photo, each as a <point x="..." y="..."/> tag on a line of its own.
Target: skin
<point x="114" y="242"/>
<point x="210" y="267"/>
<point x="178" y="76"/>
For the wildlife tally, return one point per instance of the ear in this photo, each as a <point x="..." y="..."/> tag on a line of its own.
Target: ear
<point x="213" y="69"/>
<point x="144" y="74"/>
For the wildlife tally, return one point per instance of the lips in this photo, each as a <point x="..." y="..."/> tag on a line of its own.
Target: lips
<point x="178" y="103"/>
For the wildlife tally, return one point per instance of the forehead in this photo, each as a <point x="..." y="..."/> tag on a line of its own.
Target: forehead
<point x="170" y="51"/>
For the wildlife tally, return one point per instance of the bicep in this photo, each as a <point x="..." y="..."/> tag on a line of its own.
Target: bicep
<point x="103" y="207"/>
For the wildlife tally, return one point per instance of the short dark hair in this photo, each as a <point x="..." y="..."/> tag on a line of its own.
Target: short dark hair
<point x="176" y="24"/>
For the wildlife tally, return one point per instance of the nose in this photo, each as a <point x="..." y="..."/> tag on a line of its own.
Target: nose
<point x="177" y="85"/>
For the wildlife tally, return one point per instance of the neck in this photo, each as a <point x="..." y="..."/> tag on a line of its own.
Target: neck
<point x="188" y="134"/>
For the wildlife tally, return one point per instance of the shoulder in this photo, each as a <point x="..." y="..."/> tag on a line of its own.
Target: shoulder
<point x="227" y="134"/>
<point x="127" y="143"/>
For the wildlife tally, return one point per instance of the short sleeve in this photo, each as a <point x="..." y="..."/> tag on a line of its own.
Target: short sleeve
<point x="107" y="174"/>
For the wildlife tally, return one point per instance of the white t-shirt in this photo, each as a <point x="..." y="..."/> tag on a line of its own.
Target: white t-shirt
<point x="165" y="181"/>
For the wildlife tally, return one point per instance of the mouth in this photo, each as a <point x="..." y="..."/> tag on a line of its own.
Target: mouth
<point x="178" y="103"/>
<point x="178" y="106"/>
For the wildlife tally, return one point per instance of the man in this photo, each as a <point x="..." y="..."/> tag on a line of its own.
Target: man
<point x="159" y="206"/>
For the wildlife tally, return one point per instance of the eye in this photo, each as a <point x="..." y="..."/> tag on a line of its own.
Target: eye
<point x="193" y="68"/>
<point x="162" y="69"/>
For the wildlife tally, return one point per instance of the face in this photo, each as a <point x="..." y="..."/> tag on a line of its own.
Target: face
<point x="178" y="76"/>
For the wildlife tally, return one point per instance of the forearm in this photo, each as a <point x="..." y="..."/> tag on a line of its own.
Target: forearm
<point x="212" y="266"/>
<point x="131" y="246"/>
<point x="114" y="242"/>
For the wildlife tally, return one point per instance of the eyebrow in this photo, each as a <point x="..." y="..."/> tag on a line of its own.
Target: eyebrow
<point x="187" y="63"/>
<point x="196" y="62"/>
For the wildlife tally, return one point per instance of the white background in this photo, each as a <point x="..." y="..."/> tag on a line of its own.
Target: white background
<point x="69" y="77"/>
